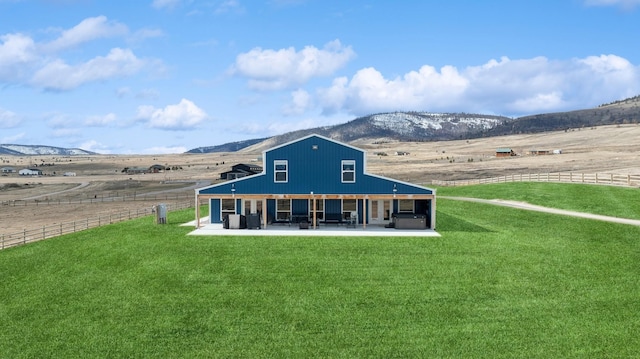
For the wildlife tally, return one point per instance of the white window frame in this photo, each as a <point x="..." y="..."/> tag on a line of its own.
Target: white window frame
<point x="282" y="213"/>
<point x="343" y="171"/>
<point x="276" y="171"/>
<point x="224" y="210"/>
<point x="346" y="212"/>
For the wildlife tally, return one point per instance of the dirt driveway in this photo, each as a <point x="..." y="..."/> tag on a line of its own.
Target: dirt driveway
<point x="533" y="207"/>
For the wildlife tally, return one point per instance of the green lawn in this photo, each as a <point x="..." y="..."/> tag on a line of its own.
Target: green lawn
<point x="598" y="199"/>
<point x="499" y="283"/>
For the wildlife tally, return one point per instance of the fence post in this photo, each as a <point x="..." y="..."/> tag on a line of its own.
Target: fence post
<point x="24" y="236"/>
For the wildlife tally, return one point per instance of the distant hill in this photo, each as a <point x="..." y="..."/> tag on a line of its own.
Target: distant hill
<point x="398" y="126"/>
<point x="618" y="112"/>
<point x="27" y="150"/>
<point x="425" y="126"/>
<point x="227" y="147"/>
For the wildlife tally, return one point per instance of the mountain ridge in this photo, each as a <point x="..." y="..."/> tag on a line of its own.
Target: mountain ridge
<point x="30" y="150"/>
<point x="426" y="126"/>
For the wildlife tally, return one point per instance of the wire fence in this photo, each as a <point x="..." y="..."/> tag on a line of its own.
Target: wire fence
<point x="49" y="231"/>
<point x="611" y="179"/>
<point x="96" y="199"/>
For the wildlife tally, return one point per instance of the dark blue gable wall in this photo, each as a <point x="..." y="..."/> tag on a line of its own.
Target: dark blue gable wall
<point x="314" y="170"/>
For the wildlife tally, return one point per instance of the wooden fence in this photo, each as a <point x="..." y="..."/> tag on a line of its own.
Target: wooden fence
<point x="44" y="232"/>
<point x="610" y="179"/>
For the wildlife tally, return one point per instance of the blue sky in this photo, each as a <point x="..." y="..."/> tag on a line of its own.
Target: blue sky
<point x="166" y="76"/>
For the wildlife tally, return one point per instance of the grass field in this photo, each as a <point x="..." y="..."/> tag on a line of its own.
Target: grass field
<point x="499" y="283"/>
<point x="597" y="199"/>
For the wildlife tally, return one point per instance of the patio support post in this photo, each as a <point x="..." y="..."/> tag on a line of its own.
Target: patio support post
<point x="313" y="200"/>
<point x="197" y="212"/>
<point x="364" y="212"/>
<point x="433" y="213"/>
<point x="264" y="212"/>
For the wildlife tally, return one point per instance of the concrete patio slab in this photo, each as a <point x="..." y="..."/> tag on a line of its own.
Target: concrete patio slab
<point x="208" y="229"/>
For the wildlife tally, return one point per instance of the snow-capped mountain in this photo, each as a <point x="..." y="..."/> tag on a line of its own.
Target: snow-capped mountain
<point x="29" y="150"/>
<point x="396" y="126"/>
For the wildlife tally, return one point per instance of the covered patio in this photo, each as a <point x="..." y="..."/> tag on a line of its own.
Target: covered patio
<point x="216" y="229"/>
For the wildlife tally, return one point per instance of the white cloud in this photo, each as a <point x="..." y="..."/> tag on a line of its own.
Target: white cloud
<point x="66" y="133"/>
<point x="300" y="102"/>
<point x="60" y="121"/>
<point x="507" y="87"/>
<point x="165" y="4"/>
<point x="13" y="139"/>
<point x="101" y="121"/>
<point x="183" y="116"/>
<point x="123" y="92"/>
<point x="368" y="91"/>
<point x="58" y="75"/>
<point x="160" y="150"/>
<point x="95" y="146"/>
<point x="229" y="6"/>
<point x="285" y="68"/>
<point x="148" y="94"/>
<point x="275" y="127"/>
<point x="8" y="119"/>
<point x="26" y="61"/>
<point x="87" y="30"/>
<point x="626" y="4"/>
<point x="144" y="34"/>
<point x="16" y="51"/>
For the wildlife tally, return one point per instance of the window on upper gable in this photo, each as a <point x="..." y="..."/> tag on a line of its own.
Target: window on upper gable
<point x="281" y="171"/>
<point x="348" y="171"/>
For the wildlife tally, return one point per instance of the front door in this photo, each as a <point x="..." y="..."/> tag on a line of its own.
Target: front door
<point x="379" y="211"/>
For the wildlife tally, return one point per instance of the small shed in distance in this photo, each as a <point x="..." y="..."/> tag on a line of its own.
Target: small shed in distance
<point x="505" y="152"/>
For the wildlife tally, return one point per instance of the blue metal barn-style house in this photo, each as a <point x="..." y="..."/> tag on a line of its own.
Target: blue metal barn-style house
<point x="319" y="180"/>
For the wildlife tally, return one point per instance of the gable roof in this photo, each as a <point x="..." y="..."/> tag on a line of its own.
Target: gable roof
<point x="311" y="180"/>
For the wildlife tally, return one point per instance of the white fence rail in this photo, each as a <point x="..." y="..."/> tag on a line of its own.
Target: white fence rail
<point x="36" y="234"/>
<point x="611" y="179"/>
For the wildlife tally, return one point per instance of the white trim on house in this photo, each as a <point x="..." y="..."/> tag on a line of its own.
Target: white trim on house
<point x="277" y="171"/>
<point x="351" y="169"/>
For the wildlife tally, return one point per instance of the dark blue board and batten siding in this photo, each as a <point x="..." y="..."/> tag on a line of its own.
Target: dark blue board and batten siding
<point x="314" y="165"/>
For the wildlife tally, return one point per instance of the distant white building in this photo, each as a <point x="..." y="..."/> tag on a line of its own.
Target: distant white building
<point x="8" y="170"/>
<point x="69" y="174"/>
<point x="30" y="172"/>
